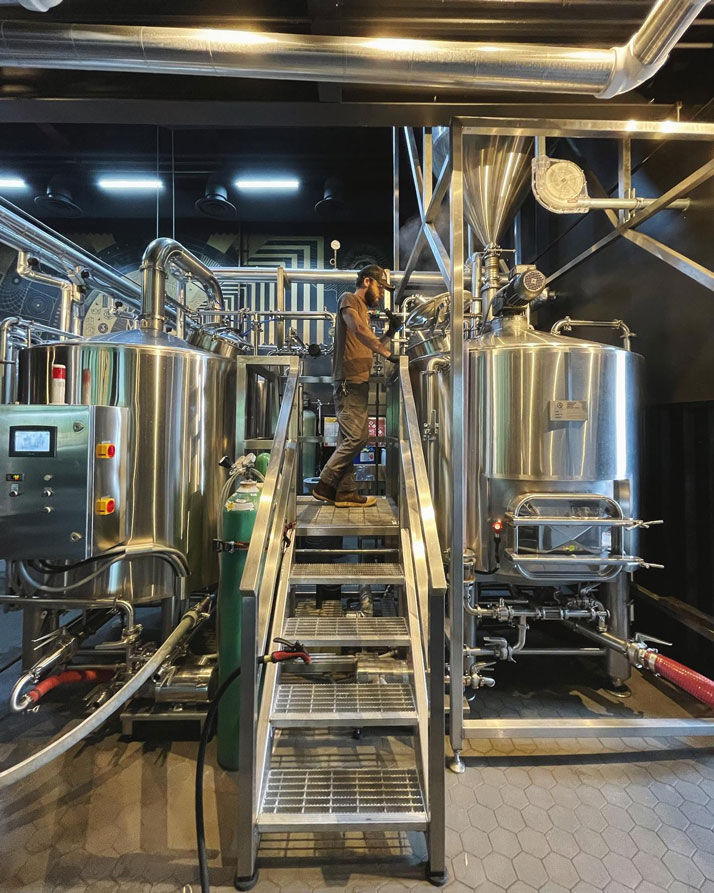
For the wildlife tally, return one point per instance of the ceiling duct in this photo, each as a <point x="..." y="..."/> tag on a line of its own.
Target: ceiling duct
<point x="496" y="172"/>
<point x="353" y="60"/>
<point x="214" y="202"/>
<point x="32" y="5"/>
<point x="332" y="205"/>
<point x="57" y="200"/>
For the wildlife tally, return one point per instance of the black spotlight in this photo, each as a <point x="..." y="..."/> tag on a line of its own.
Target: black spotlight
<point x="214" y="202"/>
<point x="332" y="205"/>
<point x="57" y="200"/>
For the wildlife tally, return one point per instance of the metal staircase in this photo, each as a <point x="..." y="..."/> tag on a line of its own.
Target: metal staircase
<point x="386" y="653"/>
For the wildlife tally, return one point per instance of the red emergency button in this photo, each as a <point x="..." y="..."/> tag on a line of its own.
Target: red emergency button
<point x="105" y="506"/>
<point x="106" y="451"/>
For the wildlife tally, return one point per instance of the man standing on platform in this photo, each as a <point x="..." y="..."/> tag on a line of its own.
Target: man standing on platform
<point x="355" y="345"/>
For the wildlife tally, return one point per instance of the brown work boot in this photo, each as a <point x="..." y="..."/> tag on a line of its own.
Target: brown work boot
<point x="354" y="501"/>
<point x="323" y="492"/>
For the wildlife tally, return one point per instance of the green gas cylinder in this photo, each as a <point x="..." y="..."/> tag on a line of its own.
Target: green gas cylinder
<point x="239" y="514"/>
<point x="261" y="463"/>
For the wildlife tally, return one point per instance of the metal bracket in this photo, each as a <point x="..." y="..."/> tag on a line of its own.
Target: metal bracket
<point x="229" y="546"/>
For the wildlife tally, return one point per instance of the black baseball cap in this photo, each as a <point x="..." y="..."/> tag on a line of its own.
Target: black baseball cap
<point x="376" y="273"/>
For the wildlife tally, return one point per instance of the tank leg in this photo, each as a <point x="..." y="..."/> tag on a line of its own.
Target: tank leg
<point x="457" y="765"/>
<point x="616" y="601"/>
<point x="168" y="617"/>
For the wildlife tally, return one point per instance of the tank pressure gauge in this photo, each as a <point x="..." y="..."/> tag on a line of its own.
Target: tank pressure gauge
<point x="565" y="180"/>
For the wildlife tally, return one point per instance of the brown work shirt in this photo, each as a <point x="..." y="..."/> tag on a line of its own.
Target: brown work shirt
<point x="352" y="360"/>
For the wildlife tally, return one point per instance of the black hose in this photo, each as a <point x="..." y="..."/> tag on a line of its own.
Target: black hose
<point x="206" y="733"/>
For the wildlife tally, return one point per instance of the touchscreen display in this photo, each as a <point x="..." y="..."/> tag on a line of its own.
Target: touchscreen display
<point x="32" y="441"/>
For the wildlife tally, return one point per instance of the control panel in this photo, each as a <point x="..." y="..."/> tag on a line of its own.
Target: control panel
<point x="62" y="481"/>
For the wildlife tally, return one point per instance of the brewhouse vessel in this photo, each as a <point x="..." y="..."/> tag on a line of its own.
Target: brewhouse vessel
<point x="181" y="403"/>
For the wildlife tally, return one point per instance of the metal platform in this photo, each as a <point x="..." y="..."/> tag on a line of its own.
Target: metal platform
<point x="345" y="798"/>
<point x="348" y="631"/>
<point x="344" y="574"/>
<point x="344" y="705"/>
<point x="320" y="519"/>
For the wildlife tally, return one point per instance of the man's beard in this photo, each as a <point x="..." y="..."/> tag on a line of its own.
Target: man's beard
<point x="372" y="300"/>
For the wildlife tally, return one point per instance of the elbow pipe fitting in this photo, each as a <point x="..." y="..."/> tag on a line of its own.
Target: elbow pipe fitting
<point x="158" y="257"/>
<point x="649" y="47"/>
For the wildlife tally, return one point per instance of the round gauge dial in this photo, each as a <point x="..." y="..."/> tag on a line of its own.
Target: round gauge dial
<point x="565" y="180"/>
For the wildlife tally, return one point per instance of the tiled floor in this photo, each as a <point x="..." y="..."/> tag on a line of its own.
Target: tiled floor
<point x="584" y="815"/>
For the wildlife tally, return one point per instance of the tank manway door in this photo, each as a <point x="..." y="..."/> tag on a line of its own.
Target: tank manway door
<point x="63" y="478"/>
<point x="570" y="536"/>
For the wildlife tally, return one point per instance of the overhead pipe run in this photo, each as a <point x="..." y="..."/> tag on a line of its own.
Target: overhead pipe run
<point x="23" y="232"/>
<point x="354" y="60"/>
<point x="71" y="294"/>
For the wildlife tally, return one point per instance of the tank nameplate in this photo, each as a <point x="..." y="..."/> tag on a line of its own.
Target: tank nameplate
<point x="568" y="410"/>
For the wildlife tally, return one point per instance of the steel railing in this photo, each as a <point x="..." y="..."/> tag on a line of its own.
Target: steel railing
<point x="418" y="517"/>
<point x="276" y="513"/>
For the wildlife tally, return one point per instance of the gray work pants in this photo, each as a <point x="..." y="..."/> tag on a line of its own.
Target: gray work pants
<point x="351" y="399"/>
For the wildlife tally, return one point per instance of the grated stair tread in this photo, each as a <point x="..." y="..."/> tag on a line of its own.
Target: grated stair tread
<point x="347" y="631"/>
<point x="343" y="574"/>
<point x="309" y="705"/>
<point x="323" y="798"/>
<point x="321" y="519"/>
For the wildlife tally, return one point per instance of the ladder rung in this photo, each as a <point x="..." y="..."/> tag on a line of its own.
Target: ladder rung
<point x="344" y="574"/>
<point x="294" y="799"/>
<point x="348" y="631"/>
<point x="369" y="703"/>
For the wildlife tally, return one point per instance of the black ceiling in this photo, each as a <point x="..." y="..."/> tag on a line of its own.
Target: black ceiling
<point x="74" y="125"/>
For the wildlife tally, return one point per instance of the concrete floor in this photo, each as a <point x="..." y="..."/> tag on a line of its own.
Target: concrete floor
<point x="551" y="815"/>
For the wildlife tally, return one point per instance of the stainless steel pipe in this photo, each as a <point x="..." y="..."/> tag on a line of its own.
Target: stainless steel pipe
<point x="357" y="60"/>
<point x="70" y="293"/>
<point x="22" y="231"/>
<point x="159" y="257"/>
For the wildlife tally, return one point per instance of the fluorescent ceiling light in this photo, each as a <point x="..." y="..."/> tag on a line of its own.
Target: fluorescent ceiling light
<point x="130" y="183"/>
<point x="12" y="183"/>
<point x="287" y="183"/>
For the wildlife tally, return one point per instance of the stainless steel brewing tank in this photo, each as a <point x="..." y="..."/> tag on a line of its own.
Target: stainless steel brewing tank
<point x="521" y="443"/>
<point x="181" y="403"/>
<point x="553" y="430"/>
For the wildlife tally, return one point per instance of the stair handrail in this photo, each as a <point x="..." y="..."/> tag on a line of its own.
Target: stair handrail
<point x="430" y="535"/>
<point x="274" y="482"/>
<point x="258" y="587"/>
<point x="427" y="538"/>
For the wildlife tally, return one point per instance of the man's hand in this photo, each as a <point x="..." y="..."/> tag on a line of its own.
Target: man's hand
<point x="395" y="323"/>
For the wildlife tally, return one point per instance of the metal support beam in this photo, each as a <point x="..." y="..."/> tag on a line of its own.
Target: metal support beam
<point x="600" y="727"/>
<point x="395" y="198"/>
<point x="701" y="175"/>
<point x="680" y="262"/>
<point x="428" y="201"/>
<point x="624" y="174"/>
<point x="590" y="128"/>
<point x="456" y="374"/>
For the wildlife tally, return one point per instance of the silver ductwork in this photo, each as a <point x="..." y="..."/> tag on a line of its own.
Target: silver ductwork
<point x="358" y="60"/>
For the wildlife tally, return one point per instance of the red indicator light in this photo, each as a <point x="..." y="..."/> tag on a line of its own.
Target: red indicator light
<point x="497" y="526"/>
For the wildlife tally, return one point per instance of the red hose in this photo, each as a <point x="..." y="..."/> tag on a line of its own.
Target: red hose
<point x="694" y="683"/>
<point x="67" y="677"/>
